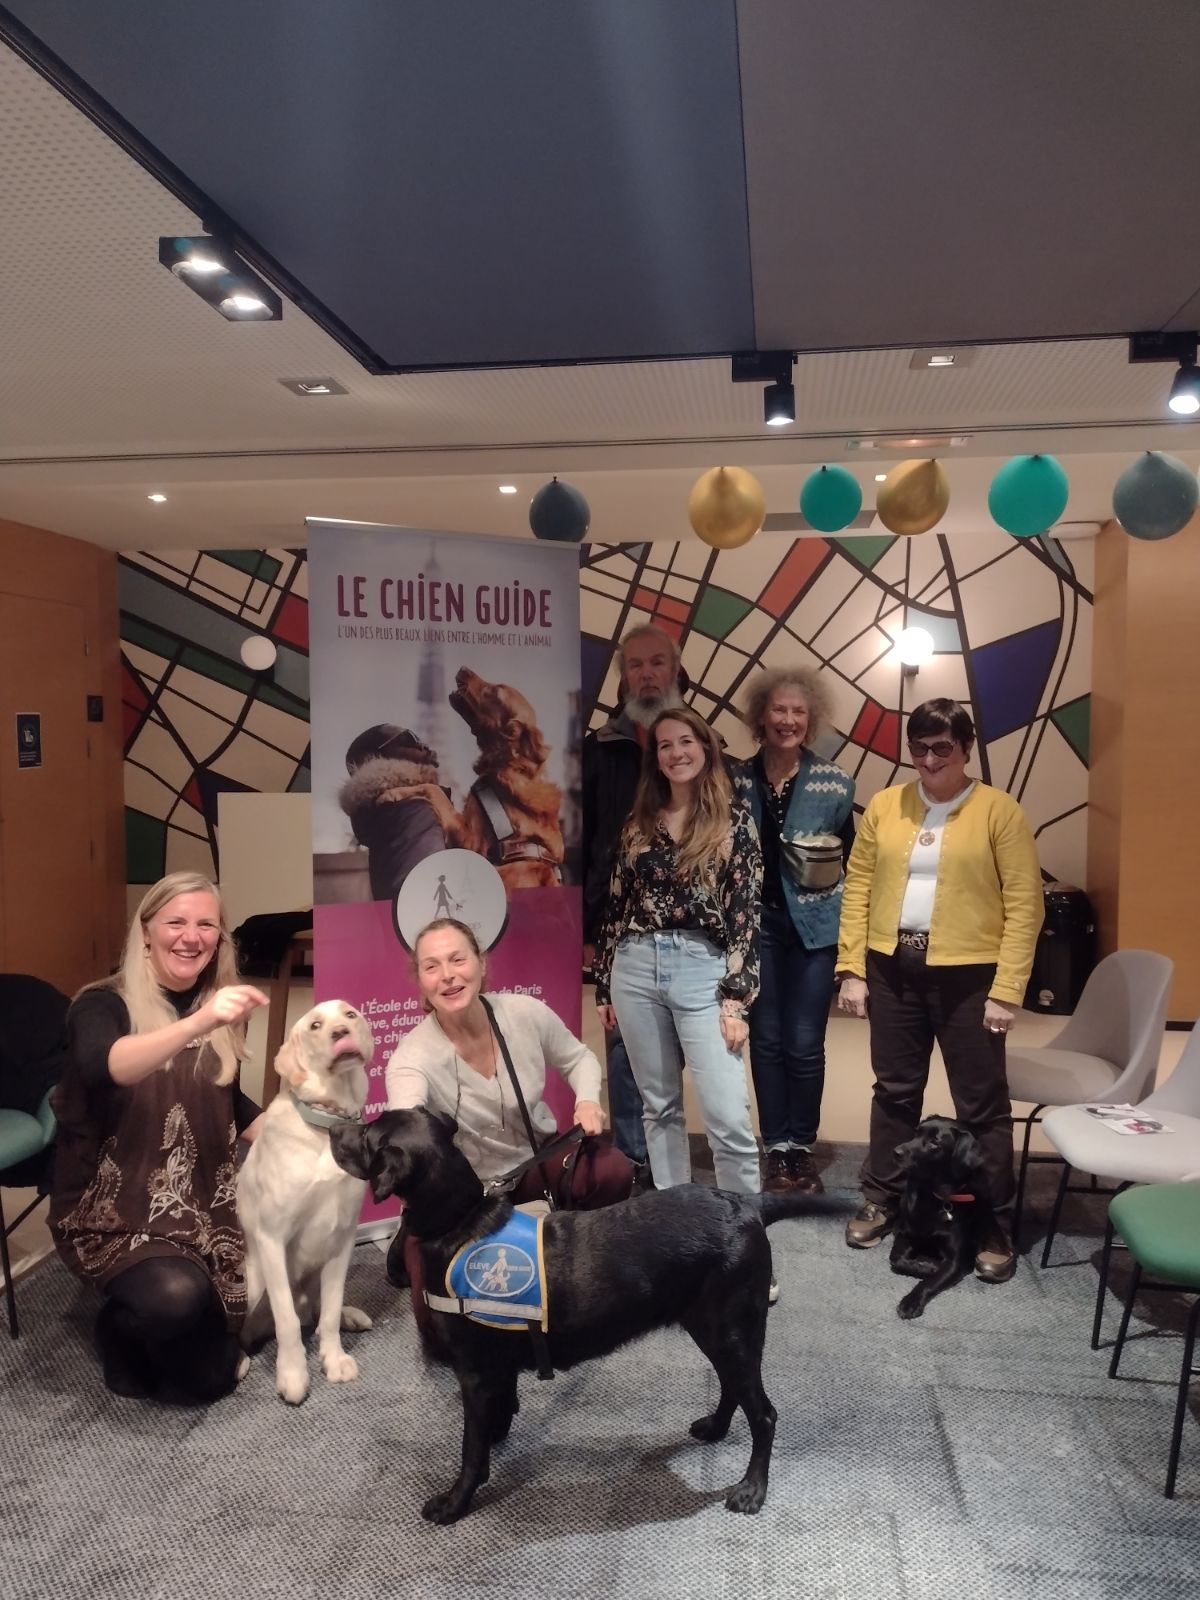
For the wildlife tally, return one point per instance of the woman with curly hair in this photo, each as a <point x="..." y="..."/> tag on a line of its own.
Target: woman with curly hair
<point x="804" y="809"/>
<point x="677" y="957"/>
<point x="149" y="1113"/>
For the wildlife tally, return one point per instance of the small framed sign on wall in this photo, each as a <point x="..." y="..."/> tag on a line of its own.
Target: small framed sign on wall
<point x="29" y="739"/>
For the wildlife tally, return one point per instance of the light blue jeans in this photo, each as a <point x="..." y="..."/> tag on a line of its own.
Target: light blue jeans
<point x="665" y="991"/>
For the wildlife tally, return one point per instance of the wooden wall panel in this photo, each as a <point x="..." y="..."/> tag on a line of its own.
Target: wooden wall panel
<point x="37" y="566"/>
<point x="1144" y="853"/>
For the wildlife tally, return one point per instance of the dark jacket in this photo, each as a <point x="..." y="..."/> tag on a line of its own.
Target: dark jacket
<point x="397" y="832"/>
<point x="612" y="764"/>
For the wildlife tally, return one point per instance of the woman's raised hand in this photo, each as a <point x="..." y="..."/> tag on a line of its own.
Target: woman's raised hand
<point x="232" y="1004"/>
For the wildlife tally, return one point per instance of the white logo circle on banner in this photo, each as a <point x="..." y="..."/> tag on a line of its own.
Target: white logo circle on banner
<point x="452" y="883"/>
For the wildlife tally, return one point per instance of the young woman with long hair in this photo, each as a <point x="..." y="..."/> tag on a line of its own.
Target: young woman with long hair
<point x="677" y="958"/>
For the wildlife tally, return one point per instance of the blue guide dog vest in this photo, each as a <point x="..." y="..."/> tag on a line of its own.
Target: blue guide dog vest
<point x="500" y="1280"/>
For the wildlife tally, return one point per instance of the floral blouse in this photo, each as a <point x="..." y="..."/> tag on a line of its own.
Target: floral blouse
<point x="646" y="895"/>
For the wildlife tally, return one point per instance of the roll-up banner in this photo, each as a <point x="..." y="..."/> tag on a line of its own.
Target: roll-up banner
<point x="446" y="739"/>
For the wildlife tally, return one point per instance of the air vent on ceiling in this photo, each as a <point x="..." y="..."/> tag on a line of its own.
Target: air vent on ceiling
<point x="793" y="522"/>
<point x="912" y="441"/>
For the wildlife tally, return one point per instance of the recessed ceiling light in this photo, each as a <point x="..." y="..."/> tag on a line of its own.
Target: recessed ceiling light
<point x="313" y="386"/>
<point x="508" y="488"/>
<point x="960" y="356"/>
<point x="881" y="477"/>
<point x="159" y="499"/>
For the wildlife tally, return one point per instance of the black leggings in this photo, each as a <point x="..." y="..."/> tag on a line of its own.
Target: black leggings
<point x="162" y="1332"/>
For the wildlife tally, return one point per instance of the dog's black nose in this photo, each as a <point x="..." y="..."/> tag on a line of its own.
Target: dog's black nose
<point x="339" y="1032"/>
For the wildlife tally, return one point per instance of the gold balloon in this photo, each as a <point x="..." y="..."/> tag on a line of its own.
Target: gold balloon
<point x="913" y="497"/>
<point x="726" y="507"/>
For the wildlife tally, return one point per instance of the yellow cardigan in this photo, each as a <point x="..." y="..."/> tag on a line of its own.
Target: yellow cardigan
<point x="987" y="905"/>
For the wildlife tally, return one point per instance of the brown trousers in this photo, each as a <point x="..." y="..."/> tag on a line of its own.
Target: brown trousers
<point x="911" y="1005"/>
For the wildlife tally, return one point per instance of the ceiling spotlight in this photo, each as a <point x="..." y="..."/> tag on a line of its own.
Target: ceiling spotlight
<point x="1185" y="390"/>
<point x="508" y="488"/>
<point x="881" y="477"/>
<point x="159" y="499"/>
<point x="774" y="368"/>
<point x="779" y="405"/>
<point x="219" y="276"/>
<point x="1184" y="399"/>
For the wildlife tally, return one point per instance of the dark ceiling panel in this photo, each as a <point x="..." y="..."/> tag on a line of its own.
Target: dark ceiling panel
<point x="927" y="173"/>
<point x="460" y="183"/>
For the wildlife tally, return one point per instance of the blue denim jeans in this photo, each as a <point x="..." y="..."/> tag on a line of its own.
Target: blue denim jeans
<point x="665" y="990"/>
<point x="787" y="1032"/>
<point x="624" y="1101"/>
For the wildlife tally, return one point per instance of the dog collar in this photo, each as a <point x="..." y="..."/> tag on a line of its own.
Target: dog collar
<point x="318" y="1117"/>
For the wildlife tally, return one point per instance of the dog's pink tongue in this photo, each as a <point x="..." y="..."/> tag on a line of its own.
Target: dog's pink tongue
<point x="346" y="1046"/>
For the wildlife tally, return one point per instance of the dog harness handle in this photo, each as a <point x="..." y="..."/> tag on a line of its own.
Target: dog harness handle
<point x="509" y="846"/>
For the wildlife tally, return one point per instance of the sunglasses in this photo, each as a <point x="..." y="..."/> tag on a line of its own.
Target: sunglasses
<point x="939" y="747"/>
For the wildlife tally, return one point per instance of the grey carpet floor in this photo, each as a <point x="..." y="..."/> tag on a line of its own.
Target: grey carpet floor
<point x="981" y="1452"/>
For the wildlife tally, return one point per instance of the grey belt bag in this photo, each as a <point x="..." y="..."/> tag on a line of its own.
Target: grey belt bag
<point x="812" y="860"/>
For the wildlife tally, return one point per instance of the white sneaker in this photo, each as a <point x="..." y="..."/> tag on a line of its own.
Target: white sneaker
<point x="772" y="1292"/>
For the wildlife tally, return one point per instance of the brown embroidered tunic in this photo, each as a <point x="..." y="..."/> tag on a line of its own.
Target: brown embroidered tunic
<point x="147" y="1169"/>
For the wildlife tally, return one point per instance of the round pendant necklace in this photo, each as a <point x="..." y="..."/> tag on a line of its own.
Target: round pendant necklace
<point x="926" y="836"/>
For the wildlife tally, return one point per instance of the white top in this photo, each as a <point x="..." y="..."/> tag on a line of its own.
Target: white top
<point x="426" y="1070"/>
<point x="916" y="909"/>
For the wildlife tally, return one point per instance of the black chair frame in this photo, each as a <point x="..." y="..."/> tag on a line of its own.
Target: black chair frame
<point x="1187" y="1370"/>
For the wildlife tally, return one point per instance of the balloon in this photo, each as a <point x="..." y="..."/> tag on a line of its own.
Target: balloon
<point x="913" y="497"/>
<point x="830" y="499"/>
<point x="558" y="511"/>
<point x="1155" y="497"/>
<point x="1028" y="495"/>
<point x="726" y="507"/>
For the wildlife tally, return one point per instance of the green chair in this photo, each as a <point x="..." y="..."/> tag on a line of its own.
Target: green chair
<point x="33" y="1053"/>
<point x="25" y="1143"/>
<point x="1160" y="1224"/>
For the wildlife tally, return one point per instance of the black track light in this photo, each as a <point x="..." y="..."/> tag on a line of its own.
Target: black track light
<point x="779" y="405"/>
<point x="217" y="274"/>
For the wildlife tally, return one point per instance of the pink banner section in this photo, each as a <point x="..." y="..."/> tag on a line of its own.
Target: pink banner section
<point x="359" y="958"/>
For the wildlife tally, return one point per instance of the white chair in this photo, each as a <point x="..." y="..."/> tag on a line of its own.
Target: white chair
<point x="1108" y="1049"/>
<point x="1086" y="1145"/>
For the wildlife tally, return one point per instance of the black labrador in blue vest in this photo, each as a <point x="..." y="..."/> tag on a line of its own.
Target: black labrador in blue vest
<point x="945" y="1210"/>
<point x="691" y="1256"/>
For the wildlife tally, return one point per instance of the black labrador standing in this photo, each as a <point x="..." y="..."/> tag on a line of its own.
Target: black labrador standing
<point x="945" y="1210"/>
<point x="692" y="1255"/>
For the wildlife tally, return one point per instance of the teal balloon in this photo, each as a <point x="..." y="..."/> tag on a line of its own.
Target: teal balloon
<point x="830" y="499"/>
<point x="1155" y="497"/>
<point x="1028" y="495"/>
<point x="558" y="511"/>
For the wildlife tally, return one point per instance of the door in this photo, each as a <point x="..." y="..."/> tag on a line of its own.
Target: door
<point x="46" y="889"/>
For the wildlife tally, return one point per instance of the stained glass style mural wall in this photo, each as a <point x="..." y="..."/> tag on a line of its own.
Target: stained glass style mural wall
<point x="1010" y="619"/>
<point x="198" y="722"/>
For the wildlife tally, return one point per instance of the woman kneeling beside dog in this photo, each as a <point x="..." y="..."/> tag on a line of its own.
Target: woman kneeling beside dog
<point x="453" y="1063"/>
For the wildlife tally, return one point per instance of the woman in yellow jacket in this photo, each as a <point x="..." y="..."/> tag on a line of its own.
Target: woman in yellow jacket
<point x="940" y="913"/>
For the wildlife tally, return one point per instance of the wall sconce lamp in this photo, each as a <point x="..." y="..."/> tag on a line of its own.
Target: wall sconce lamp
<point x="218" y="275"/>
<point x="774" y="368"/>
<point x="1184" y="399"/>
<point x="913" y="646"/>
<point x="259" y="654"/>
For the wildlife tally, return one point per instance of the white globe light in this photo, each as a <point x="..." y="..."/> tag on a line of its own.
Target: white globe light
<point x="258" y="652"/>
<point x="914" y="645"/>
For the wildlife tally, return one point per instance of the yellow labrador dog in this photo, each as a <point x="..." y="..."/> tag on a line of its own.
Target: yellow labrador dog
<point x="297" y="1208"/>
